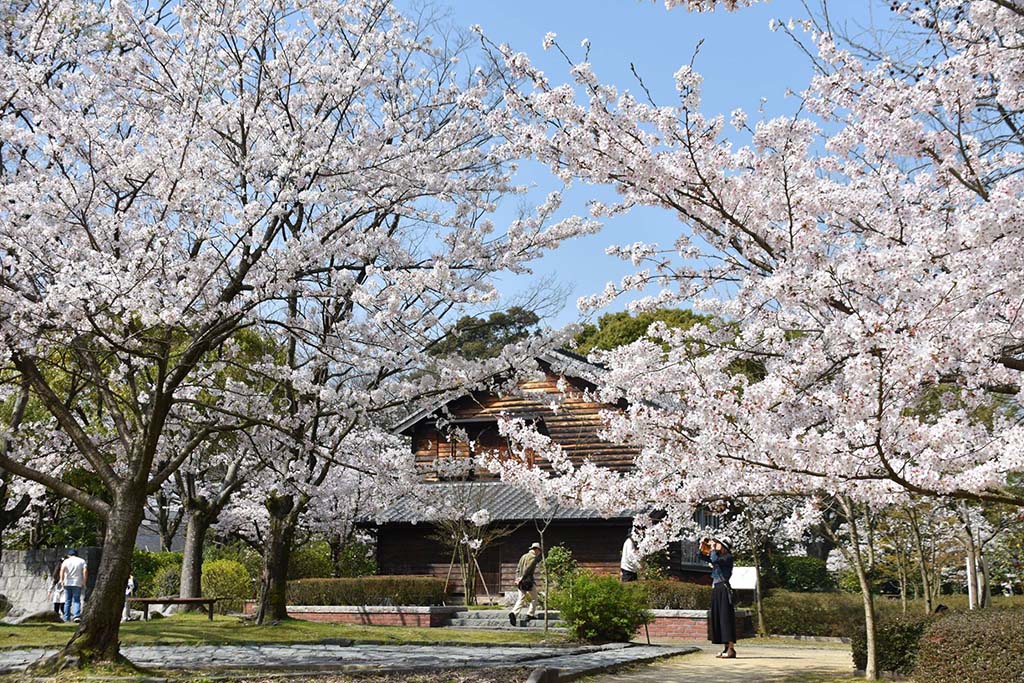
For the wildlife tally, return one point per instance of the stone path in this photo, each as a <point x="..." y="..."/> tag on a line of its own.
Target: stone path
<point x="575" y="660"/>
<point x="753" y="664"/>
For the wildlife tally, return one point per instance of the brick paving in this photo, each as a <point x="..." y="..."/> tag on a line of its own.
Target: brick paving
<point x="754" y="664"/>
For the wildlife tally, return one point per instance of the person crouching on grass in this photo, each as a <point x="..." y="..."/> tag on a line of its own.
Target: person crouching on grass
<point x="722" y="615"/>
<point x="526" y="584"/>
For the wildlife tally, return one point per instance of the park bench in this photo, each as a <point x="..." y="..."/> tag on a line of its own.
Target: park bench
<point x="146" y="602"/>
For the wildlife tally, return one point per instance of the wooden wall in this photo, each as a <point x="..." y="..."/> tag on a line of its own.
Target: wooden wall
<point x="575" y="426"/>
<point x="410" y="549"/>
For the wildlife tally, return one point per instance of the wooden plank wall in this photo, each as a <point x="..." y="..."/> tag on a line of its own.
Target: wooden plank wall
<point x="575" y="425"/>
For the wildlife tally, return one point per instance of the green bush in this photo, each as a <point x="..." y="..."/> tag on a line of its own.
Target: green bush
<point x="237" y="551"/>
<point x="311" y="561"/>
<point x="228" y="580"/>
<point x="813" y="614"/>
<point x="356" y="559"/>
<point x="145" y="566"/>
<point x="896" y="642"/>
<point x="677" y="595"/>
<point x="367" y="590"/>
<point x="167" y="581"/>
<point x="561" y="566"/>
<point x="803" y="574"/>
<point x="973" y="647"/>
<point x="602" y="608"/>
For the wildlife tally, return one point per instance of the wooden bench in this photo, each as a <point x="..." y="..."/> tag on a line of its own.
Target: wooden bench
<point x="146" y="602"/>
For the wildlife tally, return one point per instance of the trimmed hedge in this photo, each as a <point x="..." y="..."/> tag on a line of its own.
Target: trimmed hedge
<point x="602" y="608"/>
<point x="367" y="590"/>
<point x="973" y="647"/>
<point x="896" y="642"/>
<point x="228" y="580"/>
<point x="839" y="615"/>
<point x="677" y="595"/>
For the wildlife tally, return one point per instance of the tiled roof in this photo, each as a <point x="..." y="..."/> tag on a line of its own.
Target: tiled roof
<point x="452" y="500"/>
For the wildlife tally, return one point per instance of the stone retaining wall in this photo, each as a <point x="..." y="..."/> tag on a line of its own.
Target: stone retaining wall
<point x="369" y="615"/>
<point x="26" y="575"/>
<point x="690" y="624"/>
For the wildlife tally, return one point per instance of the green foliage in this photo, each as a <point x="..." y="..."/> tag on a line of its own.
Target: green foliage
<point x="973" y="647"/>
<point x="617" y="329"/>
<point x="146" y="565"/>
<point x="896" y="642"/>
<point x="355" y="559"/>
<point x="813" y="614"/>
<point x="367" y="590"/>
<point x="654" y="567"/>
<point x="476" y="338"/>
<point x="560" y="565"/>
<point x="804" y="574"/>
<point x="677" y="595"/>
<point x="311" y="561"/>
<point x="229" y="580"/>
<point x="237" y="551"/>
<point x="601" y="608"/>
<point x="166" y="581"/>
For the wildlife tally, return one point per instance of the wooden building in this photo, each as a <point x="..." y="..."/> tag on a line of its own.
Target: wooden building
<point x="446" y="435"/>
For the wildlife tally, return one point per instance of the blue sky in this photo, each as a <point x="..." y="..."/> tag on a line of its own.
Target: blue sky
<point x="741" y="61"/>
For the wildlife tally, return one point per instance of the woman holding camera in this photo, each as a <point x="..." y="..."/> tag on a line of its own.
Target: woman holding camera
<point x="722" y="615"/>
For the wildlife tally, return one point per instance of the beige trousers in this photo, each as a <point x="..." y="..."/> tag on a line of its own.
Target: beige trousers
<point x="529" y="596"/>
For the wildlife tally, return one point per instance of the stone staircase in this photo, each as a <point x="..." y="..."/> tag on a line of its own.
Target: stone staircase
<point x="497" y="620"/>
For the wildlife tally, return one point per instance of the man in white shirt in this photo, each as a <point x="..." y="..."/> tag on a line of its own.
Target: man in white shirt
<point x="73" y="574"/>
<point x="629" y="566"/>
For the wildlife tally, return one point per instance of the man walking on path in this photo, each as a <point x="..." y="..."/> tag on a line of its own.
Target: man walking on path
<point x="526" y="584"/>
<point x="73" y="574"/>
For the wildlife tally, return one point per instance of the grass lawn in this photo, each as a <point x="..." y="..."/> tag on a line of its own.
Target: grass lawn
<point x="196" y="629"/>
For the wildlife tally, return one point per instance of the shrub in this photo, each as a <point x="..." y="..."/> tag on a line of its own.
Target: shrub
<point x="814" y="614"/>
<point x="237" y="551"/>
<point x="677" y="595"/>
<point x="654" y="567"/>
<point x="560" y="565"/>
<point x="367" y="590"/>
<point x="803" y="574"/>
<point x="228" y="580"/>
<point x="167" y="581"/>
<point x="145" y="566"/>
<point x="973" y="647"/>
<point x="356" y="559"/>
<point x="311" y="561"/>
<point x="601" y="608"/>
<point x="896" y="642"/>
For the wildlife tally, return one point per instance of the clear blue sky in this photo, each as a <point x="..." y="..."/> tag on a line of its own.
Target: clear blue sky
<point x="741" y="61"/>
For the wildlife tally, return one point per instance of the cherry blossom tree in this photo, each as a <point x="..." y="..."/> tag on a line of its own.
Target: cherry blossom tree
<point x="173" y="173"/>
<point x="863" y="251"/>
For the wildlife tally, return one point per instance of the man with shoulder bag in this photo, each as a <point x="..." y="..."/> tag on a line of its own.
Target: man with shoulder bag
<point x="526" y="584"/>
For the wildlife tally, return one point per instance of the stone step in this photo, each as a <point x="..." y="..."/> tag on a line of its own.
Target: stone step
<point x="497" y="623"/>
<point x="495" y="626"/>
<point x="497" y="614"/>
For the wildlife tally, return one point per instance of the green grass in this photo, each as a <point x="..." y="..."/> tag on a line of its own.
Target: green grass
<point x="196" y="629"/>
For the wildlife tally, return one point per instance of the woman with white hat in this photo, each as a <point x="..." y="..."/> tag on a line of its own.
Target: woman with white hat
<point x="717" y="552"/>
<point x="526" y="584"/>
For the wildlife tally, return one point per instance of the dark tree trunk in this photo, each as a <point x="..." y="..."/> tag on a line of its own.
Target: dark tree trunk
<point x="197" y="523"/>
<point x="284" y="515"/>
<point x="97" y="638"/>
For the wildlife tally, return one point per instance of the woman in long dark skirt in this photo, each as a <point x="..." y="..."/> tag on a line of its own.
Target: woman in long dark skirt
<point x="722" y="615"/>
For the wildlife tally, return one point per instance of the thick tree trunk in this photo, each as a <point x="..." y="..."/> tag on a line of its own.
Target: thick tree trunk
<point x="284" y="516"/>
<point x="871" y="668"/>
<point x="196" y="526"/>
<point x="97" y="638"/>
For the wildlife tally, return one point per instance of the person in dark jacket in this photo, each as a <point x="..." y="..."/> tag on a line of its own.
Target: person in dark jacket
<point x="722" y="615"/>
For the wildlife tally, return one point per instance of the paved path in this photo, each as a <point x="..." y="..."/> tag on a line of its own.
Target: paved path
<point x="575" y="660"/>
<point x="753" y="664"/>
